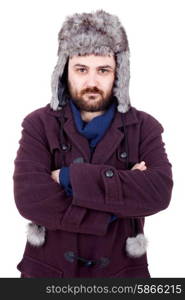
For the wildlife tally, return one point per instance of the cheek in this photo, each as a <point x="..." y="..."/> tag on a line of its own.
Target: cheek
<point x="108" y="84"/>
<point x="75" y="84"/>
<point x="78" y="82"/>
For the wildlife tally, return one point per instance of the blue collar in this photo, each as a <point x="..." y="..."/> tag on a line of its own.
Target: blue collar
<point x="96" y="128"/>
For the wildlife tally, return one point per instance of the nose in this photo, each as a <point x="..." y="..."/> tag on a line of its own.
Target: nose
<point x="92" y="80"/>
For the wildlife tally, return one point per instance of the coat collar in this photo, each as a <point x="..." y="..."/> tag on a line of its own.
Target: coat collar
<point x="130" y="116"/>
<point x="110" y="141"/>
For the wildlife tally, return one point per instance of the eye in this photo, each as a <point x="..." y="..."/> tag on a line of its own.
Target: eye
<point x="81" y="70"/>
<point x="103" y="71"/>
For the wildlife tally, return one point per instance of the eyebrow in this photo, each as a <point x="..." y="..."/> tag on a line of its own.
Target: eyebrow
<point x="99" y="67"/>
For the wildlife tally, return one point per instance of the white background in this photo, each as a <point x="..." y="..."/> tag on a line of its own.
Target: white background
<point x="28" y="54"/>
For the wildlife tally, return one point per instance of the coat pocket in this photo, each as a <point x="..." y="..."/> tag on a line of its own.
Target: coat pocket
<point x="140" y="271"/>
<point x="33" y="268"/>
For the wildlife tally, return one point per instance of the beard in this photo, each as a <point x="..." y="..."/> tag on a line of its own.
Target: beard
<point x="91" y="99"/>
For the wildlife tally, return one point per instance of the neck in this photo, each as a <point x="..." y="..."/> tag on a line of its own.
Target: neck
<point x="88" y="116"/>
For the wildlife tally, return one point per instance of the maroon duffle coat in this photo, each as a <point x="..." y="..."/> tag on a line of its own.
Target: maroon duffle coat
<point x="81" y="223"/>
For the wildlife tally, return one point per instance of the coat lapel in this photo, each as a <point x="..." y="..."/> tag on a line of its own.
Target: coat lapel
<point x="79" y="140"/>
<point x="109" y="143"/>
<point x="113" y="137"/>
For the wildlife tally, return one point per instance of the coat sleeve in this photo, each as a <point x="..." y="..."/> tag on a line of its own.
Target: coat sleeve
<point x="128" y="193"/>
<point x="38" y="197"/>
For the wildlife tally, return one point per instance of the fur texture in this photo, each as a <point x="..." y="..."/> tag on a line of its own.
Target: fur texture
<point x="136" y="246"/>
<point x="94" y="33"/>
<point x="35" y="234"/>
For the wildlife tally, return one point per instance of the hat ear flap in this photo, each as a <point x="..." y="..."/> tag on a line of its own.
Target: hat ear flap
<point x="121" y="86"/>
<point x="57" y="73"/>
<point x="63" y="94"/>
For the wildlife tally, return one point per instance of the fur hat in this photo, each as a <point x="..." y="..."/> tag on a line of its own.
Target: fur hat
<point x="98" y="33"/>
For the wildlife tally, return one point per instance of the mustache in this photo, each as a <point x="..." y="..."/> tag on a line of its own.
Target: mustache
<point x="91" y="90"/>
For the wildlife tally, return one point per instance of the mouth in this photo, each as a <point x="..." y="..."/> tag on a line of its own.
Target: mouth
<point x="92" y="94"/>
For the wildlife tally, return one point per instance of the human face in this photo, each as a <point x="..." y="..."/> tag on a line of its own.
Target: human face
<point x="90" y="81"/>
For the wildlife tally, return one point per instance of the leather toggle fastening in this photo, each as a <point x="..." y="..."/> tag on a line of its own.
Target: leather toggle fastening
<point x="71" y="256"/>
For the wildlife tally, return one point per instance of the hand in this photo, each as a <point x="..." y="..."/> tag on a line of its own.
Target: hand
<point x="55" y="175"/>
<point x="140" y="166"/>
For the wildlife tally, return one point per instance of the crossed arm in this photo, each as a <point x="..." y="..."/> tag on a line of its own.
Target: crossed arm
<point x="40" y="199"/>
<point x="140" y="166"/>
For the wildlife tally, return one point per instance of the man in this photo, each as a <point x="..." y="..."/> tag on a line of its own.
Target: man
<point x="90" y="166"/>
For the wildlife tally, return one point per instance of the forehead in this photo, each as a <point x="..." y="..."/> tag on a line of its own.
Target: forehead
<point x="93" y="60"/>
